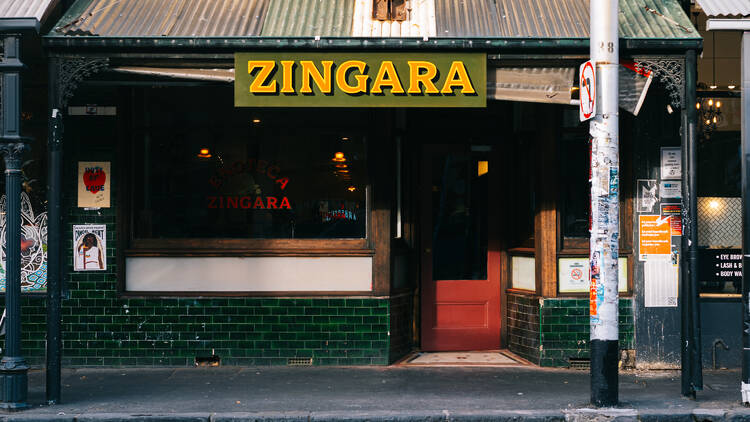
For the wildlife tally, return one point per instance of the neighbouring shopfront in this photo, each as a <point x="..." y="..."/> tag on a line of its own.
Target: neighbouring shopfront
<point x="253" y="184"/>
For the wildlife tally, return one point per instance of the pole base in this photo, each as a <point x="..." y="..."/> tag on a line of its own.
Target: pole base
<point x="14" y="384"/>
<point x="604" y="375"/>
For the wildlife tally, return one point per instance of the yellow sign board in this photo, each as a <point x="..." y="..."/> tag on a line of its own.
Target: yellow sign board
<point x="301" y="79"/>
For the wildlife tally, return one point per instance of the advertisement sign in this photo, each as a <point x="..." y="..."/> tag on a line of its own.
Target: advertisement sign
<point x="655" y="237"/>
<point x="332" y="79"/>
<point x="93" y="184"/>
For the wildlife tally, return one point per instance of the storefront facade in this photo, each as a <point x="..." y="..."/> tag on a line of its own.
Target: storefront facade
<point x="256" y="184"/>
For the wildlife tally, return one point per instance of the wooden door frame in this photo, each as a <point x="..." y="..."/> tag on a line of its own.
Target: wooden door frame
<point x="496" y="248"/>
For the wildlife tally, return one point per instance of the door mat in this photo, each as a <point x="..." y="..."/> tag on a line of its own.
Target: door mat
<point x="476" y="358"/>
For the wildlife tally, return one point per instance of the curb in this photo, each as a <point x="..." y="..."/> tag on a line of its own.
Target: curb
<point x="568" y="415"/>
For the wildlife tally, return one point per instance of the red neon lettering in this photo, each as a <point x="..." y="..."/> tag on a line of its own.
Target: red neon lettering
<point x="211" y="202"/>
<point x="262" y="164"/>
<point x="272" y="202"/>
<point x="245" y="202"/>
<point x="283" y="181"/>
<point x="231" y="202"/>
<point x="285" y="203"/>
<point x="215" y="181"/>
<point x="273" y="172"/>
<point x="258" y="203"/>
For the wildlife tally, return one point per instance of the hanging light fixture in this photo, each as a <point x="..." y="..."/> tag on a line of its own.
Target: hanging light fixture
<point x="709" y="111"/>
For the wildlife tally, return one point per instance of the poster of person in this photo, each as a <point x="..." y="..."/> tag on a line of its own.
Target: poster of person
<point x="90" y="247"/>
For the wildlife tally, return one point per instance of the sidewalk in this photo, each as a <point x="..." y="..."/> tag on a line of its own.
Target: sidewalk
<point x="373" y="393"/>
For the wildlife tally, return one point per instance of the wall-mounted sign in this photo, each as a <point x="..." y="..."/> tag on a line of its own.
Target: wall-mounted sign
<point x="648" y="195"/>
<point x="671" y="163"/>
<point x="573" y="274"/>
<point x="93" y="184"/>
<point x="720" y="270"/>
<point x="671" y="189"/>
<point x="674" y="212"/>
<point x="655" y="237"/>
<point x="90" y="247"/>
<point x="302" y="79"/>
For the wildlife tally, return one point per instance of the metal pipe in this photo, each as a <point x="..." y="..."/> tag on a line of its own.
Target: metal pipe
<point x="13" y="367"/>
<point x="54" y="241"/>
<point x="745" y="162"/>
<point x="717" y="342"/>
<point x="605" y="208"/>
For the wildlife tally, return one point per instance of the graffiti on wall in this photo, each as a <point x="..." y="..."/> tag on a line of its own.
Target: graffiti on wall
<point x="33" y="246"/>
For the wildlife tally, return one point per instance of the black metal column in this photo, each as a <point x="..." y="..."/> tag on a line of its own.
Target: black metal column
<point x="13" y="367"/>
<point x="54" y="240"/>
<point x="692" y="369"/>
<point x="745" y="160"/>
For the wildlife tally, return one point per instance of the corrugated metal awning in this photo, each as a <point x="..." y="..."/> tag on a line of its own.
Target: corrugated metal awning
<point x="516" y="19"/>
<point x="725" y="8"/>
<point x="570" y="19"/>
<point x="164" y="18"/>
<point x="38" y="10"/>
<point x="309" y="18"/>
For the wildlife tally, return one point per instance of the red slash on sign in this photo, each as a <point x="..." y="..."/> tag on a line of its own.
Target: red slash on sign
<point x="587" y="83"/>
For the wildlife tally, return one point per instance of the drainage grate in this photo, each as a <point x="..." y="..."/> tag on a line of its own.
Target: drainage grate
<point x="212" y="360"/>
<point x="299" y="362"/>
<point x="579" y="363"/>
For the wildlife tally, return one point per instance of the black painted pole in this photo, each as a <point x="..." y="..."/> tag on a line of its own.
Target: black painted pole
<point x="745" y="162"/>
<point x="691" y="365"/>
<point x="54" y="241"/>
<point x="13" y="367"/>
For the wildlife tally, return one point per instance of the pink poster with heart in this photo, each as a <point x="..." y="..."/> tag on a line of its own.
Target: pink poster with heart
<point x="93" y="184"/>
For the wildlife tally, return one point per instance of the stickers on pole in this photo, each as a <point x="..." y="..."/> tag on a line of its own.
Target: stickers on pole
<point x="93" y="184"/>
<point x="587" y="84"/>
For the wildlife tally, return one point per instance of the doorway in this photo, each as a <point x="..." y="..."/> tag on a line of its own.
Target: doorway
<point x="460" y="254"/>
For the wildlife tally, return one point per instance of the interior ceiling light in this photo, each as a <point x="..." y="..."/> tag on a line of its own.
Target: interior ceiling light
<point x="732" y="86"/>
<point x="351" y="188"/>
<point x="339" y="157"/>
<point x="204" y="153"/>
<point x="256" y="121"/>
<point x="341" y="166"/>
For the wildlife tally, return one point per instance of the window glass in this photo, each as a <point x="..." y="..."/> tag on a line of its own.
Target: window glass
<point x="223" y="172"/>
<point x="574" y="176"/>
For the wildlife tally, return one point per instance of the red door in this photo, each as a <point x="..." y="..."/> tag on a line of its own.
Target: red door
<point x="460" y="260"/>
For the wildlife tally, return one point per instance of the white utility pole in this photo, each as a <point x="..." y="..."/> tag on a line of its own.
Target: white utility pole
<point x="605" y="206"/>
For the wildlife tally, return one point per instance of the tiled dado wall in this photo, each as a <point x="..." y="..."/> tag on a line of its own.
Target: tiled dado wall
<point x="550" y="331"/>
<point x="102" y="329"/>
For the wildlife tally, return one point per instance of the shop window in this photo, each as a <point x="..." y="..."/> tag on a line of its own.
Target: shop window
<point x="393" y="10"/>
<point x="219" y="172"/>
<point x="574" y="176"/>
<point x="719" y="198"/>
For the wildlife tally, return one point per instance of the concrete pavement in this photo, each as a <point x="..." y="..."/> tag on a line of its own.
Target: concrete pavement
<point x="373" y="393"/>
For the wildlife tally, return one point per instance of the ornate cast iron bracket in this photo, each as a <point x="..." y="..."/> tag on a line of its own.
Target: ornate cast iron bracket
<point x="670" y="72"/>
<point x="72" y="70"/>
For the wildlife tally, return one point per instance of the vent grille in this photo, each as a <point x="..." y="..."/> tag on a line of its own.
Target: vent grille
<point x="299" y="362"/>
<point x="579" y="363"/>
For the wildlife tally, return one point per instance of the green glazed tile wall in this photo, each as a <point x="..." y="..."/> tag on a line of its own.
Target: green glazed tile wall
<point x="101" y="329"/>
<point x="523" y="326"/>
<point x="564" y="329"/>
